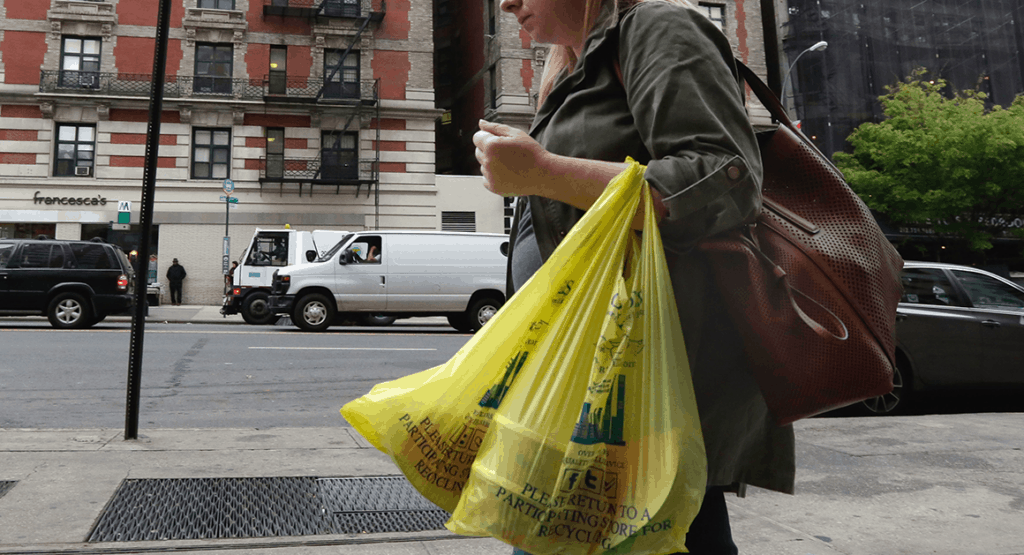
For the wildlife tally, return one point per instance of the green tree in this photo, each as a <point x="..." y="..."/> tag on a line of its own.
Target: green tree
<point x="942" y="161"/>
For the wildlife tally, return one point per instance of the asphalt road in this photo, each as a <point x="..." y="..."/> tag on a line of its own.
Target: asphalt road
<point x="204" y="375"/>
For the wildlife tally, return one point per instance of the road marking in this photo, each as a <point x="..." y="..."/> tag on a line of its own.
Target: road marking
<point x="341" y="349"/>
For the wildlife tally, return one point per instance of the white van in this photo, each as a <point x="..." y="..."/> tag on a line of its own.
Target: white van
<point x="269" y="250"/>
<point x="397" y="274"/>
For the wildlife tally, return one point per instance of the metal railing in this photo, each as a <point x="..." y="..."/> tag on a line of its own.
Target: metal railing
<point x="270" y="88"/>
<point x="302" y="89"/>
<point x="351" y="9"/>
<point x="274" y="168"/>
<point x="139" y="84"/>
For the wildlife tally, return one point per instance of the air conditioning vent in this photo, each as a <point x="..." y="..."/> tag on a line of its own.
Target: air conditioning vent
<point x="83" y="171"/>
<point x="458" y="221"/>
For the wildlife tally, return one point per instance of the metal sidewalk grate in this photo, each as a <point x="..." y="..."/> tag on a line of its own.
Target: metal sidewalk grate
<point x="6" y="486"/>
<point x="215" y="508"/>
<point x="379" y="503"/>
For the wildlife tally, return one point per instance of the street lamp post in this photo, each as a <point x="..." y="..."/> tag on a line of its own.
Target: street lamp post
<point x="816" y="47"/>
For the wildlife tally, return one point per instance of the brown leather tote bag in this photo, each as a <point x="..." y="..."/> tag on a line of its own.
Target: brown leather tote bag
<point x="812" y="284"/>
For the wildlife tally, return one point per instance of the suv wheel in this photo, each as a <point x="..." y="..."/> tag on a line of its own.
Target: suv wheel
<point x="69" y="311"/>
<point x="314" y="312"/>
<point x="894" y="402"/>
<point x="256" y="310"/>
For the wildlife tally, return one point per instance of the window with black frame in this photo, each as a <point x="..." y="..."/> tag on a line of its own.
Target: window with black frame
<point x="213" y="68"/>
<point x="339" y="155"/>
<point x="80" y="62"/>
<point x="217" y="4"/>
<point x="278" y="70"/>
<point x="341" y="77"/>
<point x="275" y="152"/>
<point x="714" y="12"/>
<point x="76" y="150"/>
<point x="211" y="154"/>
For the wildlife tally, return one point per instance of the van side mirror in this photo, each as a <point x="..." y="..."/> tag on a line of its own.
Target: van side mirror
<point x="345" y="258"/>
<point x="310" y="255"/>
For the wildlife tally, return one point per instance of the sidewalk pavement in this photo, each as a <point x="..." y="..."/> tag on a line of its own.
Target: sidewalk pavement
<point x="933" y="484"/>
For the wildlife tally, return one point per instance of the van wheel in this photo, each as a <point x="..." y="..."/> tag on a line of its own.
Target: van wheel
<point x="460" y="322"/>
<point x="314" y="312"/>
<point x="69" y="311"/>
<point x="481" y="312"/>
<point x="256" y="310"/>
<point x="376" y="319"/>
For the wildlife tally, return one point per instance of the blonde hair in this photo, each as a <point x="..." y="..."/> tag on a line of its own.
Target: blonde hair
<point x="561" y="56"/>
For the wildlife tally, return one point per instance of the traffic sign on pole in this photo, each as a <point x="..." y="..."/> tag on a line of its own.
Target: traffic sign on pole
<point x="229" y="186"/>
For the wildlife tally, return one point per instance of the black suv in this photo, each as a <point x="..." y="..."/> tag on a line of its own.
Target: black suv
<point x="74" y="283"/>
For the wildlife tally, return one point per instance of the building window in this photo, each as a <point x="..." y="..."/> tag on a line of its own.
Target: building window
<point x="339" y="155"/>
<point x="489" y="14"/>
<point x="714" y="12"/>
<point x="275" y="152"/>
<point x="211" y="153"/>
<point x="341" y="77"/>
<point x="217" y="4"/>
<point x="278" y="70"/>
<point x="492" y="82"/>
<point x="76" y="149"/>
<point x="80" y="62"/>
<point x="213" y="68"/>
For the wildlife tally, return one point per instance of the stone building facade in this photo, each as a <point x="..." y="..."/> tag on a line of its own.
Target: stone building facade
<point x="321" y="113"/>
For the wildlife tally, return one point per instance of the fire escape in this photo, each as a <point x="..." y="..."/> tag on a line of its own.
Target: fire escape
<point x="339" y="91"/>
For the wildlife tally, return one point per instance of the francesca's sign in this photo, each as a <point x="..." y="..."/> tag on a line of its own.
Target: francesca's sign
<point x="70" y="201"/>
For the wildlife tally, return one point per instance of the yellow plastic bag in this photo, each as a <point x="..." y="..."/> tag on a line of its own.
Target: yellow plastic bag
<point x="568" y="424"/>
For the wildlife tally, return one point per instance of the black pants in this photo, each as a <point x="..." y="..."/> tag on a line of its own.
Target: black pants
<point x="175" y="293"/>
<point x="710" y="533"/>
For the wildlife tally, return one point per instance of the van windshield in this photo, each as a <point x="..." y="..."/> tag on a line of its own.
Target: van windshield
<point x="327" y="255"/>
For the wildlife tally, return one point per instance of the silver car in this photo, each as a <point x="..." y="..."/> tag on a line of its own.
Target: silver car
<point x="956" y="327"/>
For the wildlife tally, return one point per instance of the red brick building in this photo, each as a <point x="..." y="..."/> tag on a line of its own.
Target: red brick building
<point x="321" y="112"/>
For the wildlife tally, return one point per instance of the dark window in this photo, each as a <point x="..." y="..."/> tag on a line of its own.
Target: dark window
<point x="211" y="154"/>
<point x="269" y="249"/>
<point x="42" y="255"/>
<point x="714" y="12"/>
<point x="217" y="4"/>
<point x="91" y="257"/>
<point x="6" y="250"/>
<point x="76" y="147"/>
<point x="341" y="78"/>
<point x="80" y="62"/>
<point x="987" y="292"/>
<point x="278" y="70"/>
<point x="928" y="286"/>
<point x="492" y="78"/>
<point x="213" y="68"/>
<point x="339" y="155"/>
<point x="275" y="152"/>
<point x="489" y="14"/>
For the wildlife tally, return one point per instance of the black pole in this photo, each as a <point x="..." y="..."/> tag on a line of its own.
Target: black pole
<point x="156" y="107"/>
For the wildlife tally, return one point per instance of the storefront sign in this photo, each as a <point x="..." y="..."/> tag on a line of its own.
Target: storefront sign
<point x="69" y="201"/>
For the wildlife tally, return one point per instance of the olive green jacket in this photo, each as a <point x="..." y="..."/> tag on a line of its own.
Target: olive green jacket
<point x="679" y="110"/>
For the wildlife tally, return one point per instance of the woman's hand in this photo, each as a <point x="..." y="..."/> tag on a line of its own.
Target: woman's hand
<point x="511" y="161"/>
<point x="514" y="164"/>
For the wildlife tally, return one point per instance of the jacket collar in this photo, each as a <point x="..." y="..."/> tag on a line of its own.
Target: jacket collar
<point x="605" y="30"/>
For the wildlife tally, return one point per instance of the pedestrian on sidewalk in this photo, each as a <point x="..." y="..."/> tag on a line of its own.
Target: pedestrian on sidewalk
<point x="655" y="81"/>
<point x="175" y="276"/>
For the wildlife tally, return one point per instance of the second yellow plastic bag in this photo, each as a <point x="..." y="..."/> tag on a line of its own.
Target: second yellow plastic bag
<point x="568" y="423"/>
